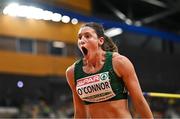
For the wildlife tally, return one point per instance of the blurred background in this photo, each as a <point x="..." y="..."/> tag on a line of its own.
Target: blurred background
<point x="38" y="42"/>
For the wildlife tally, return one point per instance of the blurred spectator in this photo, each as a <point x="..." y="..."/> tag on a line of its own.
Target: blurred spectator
<point x="174" y="109"/>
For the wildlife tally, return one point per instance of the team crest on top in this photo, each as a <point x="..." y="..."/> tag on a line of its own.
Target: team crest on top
<point x="104" y="76"/>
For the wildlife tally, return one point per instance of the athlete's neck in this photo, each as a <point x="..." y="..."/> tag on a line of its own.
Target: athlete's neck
<point x="95" y="59"/>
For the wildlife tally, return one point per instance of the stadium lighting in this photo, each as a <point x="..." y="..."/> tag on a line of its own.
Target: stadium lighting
<point x="65" y="19"/>
<point x="74" y="21"/>
<point x="113" y="32"/>
<point x="31" y="12"/>
<point x="56" y="17"/>
<point x="11" y="9"/>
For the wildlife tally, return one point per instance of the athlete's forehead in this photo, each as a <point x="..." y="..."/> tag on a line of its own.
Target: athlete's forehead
<point x="86" y="29"/>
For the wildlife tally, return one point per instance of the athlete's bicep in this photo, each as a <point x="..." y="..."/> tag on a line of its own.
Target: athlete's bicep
<point x="131" y="82"/>
<point x="79" y="109"/>
<point x="125" y="69"/>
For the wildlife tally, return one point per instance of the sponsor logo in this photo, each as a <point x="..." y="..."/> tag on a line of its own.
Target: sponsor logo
<point x="87" y="80"/>
<point x="104" y="76"/>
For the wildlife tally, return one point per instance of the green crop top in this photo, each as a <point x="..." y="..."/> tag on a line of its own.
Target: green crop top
<point x="101" y="86"/>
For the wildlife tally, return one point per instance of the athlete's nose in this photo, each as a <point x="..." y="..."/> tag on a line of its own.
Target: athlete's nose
<point x="81" y="42"/>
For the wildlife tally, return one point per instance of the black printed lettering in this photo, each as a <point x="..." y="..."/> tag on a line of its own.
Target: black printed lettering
<point x="79" y="91"/>
<point x="94" y="88"/>
<point x="107" y="85"/>
<point x="89" y="89"/>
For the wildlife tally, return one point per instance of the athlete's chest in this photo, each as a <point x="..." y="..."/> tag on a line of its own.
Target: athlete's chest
<point x="93" y="68"/>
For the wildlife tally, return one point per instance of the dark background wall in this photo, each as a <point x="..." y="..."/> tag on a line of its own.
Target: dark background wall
<point x="157" y="71"/>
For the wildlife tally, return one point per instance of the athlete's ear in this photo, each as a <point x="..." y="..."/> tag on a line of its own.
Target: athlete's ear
<point x="101" y="40"/>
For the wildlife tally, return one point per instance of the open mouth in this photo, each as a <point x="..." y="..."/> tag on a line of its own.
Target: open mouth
<point x="85" y="51"/>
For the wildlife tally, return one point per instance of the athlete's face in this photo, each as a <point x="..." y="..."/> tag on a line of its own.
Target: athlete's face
<point x="88" y="40"/>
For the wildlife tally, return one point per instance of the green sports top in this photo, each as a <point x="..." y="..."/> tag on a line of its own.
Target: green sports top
<point x="101" y="86"/>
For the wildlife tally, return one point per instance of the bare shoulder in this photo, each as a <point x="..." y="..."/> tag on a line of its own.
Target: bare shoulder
<point x="121" y="64"/>
<point x="70" y="74"/>
<point x="70" y="70"/>
<point x="120" y="59"/>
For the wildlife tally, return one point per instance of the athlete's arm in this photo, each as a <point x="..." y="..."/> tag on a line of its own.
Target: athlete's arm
<point x="124" y="68"/>
<point x="79" y="109"/>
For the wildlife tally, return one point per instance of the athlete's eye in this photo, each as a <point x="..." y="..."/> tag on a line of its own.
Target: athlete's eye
<point x="79" y="37"/>
<point x="87" y="36"/>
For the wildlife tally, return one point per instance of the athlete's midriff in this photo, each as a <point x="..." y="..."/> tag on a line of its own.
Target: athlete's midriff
<point x="110" y="109"/>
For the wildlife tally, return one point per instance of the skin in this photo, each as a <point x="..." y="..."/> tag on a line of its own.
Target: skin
<point x="93" y="62"/>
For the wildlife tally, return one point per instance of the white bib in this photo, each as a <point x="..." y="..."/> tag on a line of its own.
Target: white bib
<point x="95" y="88"/>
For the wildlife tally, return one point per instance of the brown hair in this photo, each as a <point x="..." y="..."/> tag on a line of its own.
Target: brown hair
<point x="108" y="45"/>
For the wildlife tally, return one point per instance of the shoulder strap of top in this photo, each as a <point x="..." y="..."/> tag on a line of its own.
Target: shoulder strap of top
<point x="77" y="69"/>
<point x="109" y="60"/>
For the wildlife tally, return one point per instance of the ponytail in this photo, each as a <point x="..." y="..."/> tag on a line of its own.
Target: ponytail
<point x="109" y="45"/>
